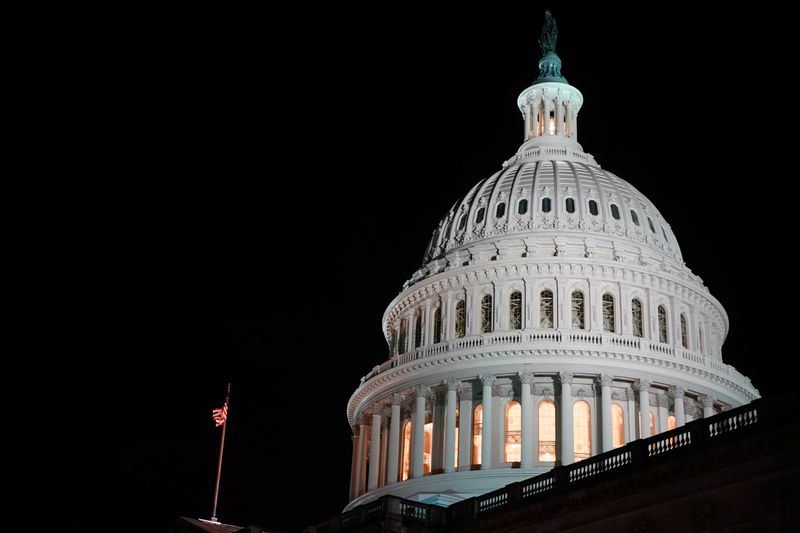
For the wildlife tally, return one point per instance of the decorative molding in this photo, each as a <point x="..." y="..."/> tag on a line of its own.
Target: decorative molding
<point x="487" y="380"/>
<point x="606" y="380"/>
<point x="397" y="398"/>
<point x="565" y="378"/>
<point x="422" y="391"/>
<point x="526" y="377"/>
<point x="452" y="384"/>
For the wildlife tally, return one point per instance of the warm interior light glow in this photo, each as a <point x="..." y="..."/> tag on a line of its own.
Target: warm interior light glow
<point x="547" y="431"/>
<point x="427" y="448"/>
<point x="406" y="453"/>
<point x="477" y="426"/>
<point x="513" y="432"/>
<point x="671" y="422"/>
<point x="617" y="426"/>
<point x="581" y="431"/>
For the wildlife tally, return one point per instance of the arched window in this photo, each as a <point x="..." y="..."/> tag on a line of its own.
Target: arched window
<point x="486" y="313"/>
<point x="418" y="331"/>
<point x="634" y="217"/>
<point x="547" y="430"/>
<point x="461" y="319"/>
<point x="477" y="433"/>
<point x="427" y="447"/>
<point x="700" y="345"/>
<point x="479" y="216"/>
<point x="513" y="432"/>
<point x="545" y="205"/>
<point x="570" y="204"/>
<point x="608" y="313"/>
<point x="405" y="461"/>
<point x="615" y="211"/>
<point x="522" y="206"/>
<point x="684" y="332"/>
<point x="636" y="318"/>
<point x="671" y="422"/>
<point x="500" y="212"/>
<point x="650" y="223"/>
<point x="401" y="338"/>
<point x="578" y="315"/>
<point x="581" y="430"/>
<point x="546" y="309"/>
<point x="593" y="208"/>
<point x="515" y="310"/>
<point x="437" y="325"/>
<point x="617" y="426"/>
<point x="662" y="324"/>
<point x="463" y="222"/>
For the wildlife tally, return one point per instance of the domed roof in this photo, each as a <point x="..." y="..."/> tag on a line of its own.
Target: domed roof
<point x="535" y="196"/>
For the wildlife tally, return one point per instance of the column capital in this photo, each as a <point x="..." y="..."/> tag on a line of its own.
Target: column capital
<point x="663" y="401"/>
<point x="566" y="377"/>
<point x="526" y="377"/>
<point x="487" y="379"/>
<point x="677" y="392"/>
<point x="643" y="384"/>
<point x="422" y="391"/>
<point x="397" y="398"/>
<point x="377" y="407"/>
<point x="365" y="419"/>
<point x="465" y="391"/>
<point x="606" y="380"/>
<point x="707" y="400"/>
<point x="452" y="384"/>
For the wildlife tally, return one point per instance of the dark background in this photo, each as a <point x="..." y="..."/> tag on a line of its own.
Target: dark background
<point x="198" y="193"/>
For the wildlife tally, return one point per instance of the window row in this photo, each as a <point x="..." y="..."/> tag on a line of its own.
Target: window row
<point x="546" y="207"/>
<point x="578" y="319"/>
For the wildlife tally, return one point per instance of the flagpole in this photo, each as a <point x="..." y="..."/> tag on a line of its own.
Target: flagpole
<point x="219" y="465"/>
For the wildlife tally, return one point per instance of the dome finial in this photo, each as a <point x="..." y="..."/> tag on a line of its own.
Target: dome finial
<point x="549" y="64"/>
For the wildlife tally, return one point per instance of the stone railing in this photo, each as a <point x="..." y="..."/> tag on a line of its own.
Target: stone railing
<point x="572" y="339"/>
<point x="636" y="455"/>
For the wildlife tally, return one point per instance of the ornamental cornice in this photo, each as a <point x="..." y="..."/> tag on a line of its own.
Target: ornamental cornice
<point x="412" y="369"/>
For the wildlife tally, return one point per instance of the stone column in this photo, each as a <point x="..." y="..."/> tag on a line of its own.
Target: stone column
<point x="567" y="450"/>
<point x="465" y="426"/>
<point x="487" y="380"/>
<point x="394" y="440"/>
<point x="354" y="464"/>
<point x="375" y="448"/>
<point x="418" y="432"/>
<point x="677" y="397"/>
<point x="537" y="111"/>
<point x="437" y="438"/>
<point x="526" y="111"/>
<point x="708" y="405"/>
<point x="605" y="411"/>
<point x="559" y="117"/>
<point x="644" y="407"/>
<point x="526" y="404"/>
<point x="384" y="452"/>
<point x="362" y="456"/>
<point x="663" y="412"/>
<point x="450" y="425"/>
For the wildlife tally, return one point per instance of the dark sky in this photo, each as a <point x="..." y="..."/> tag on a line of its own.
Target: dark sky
<point x="201" y="193"/>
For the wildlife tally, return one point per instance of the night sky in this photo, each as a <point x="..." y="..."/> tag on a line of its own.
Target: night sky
<point x="202" y="193"/>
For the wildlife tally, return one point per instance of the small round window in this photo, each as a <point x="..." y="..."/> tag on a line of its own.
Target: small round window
<point x="479" y="216"/>
<point x="634" y="217"/>
<point x="615" y="211"/>
<point x="501" y="210"/>
<point x="545" y="205"/>
<point x="593" y="207"/>
<point x="570" y="205"/>
<point x="522" y="207"/>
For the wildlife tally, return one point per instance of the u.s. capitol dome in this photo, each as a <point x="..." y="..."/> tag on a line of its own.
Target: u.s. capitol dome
<point x="553" y="319"/>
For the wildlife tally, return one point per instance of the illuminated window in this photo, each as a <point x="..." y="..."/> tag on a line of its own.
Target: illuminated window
<point x="437" y="325"/>
<point x="671" y="422"/>
<point x="547" y="430"/>
<point x="455" y="460"/>
<point x="578" y="315"/>
<point x="522" y="206"/>
<point x="608" y="313"/>
<point x="617" y="426"/>
<point x="570" y="205"/>
<point x="406" y="453"/>
<point x="652" y="423"/>
<point x="513" y="432"/>
<point x="636" y="315"/>
<point x="401" y="338"/>
<point x="662" y="324"/>
<point x="501" y="210"/>
<point x="545" y="205"/>
<point x="552" y="123"/>
<point x="477" y="433"/>
<point x="593" y="207"/>
<point x="684" y="333"/>
<point x="486" y="313"/>
<point x="581" y="430"/>
<point x="634" y="217"/>
<point x="479" y="216"/>
<point x="427" y="447"/>
<point x="650" y="223"/>
<point x="546" y="308"/>
<point x="418" y="331"/>
<point x="615" y="211"/>
<point x="515" y="310"/>
<point x="461" y="319"/>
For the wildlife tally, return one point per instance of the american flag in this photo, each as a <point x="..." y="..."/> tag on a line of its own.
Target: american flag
<point x="220" y="415"/>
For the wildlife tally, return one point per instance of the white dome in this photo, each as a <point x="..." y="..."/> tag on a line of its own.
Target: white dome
<point x="551" y="283"/>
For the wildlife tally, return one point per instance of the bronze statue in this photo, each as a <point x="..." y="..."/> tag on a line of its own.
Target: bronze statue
<point x="547" y="39"/>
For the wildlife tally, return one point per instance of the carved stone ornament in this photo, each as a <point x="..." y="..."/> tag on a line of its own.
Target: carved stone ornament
<point x="606" y="380"/>
<point x="422" y="391"/>
<point x="526" y="377"/>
